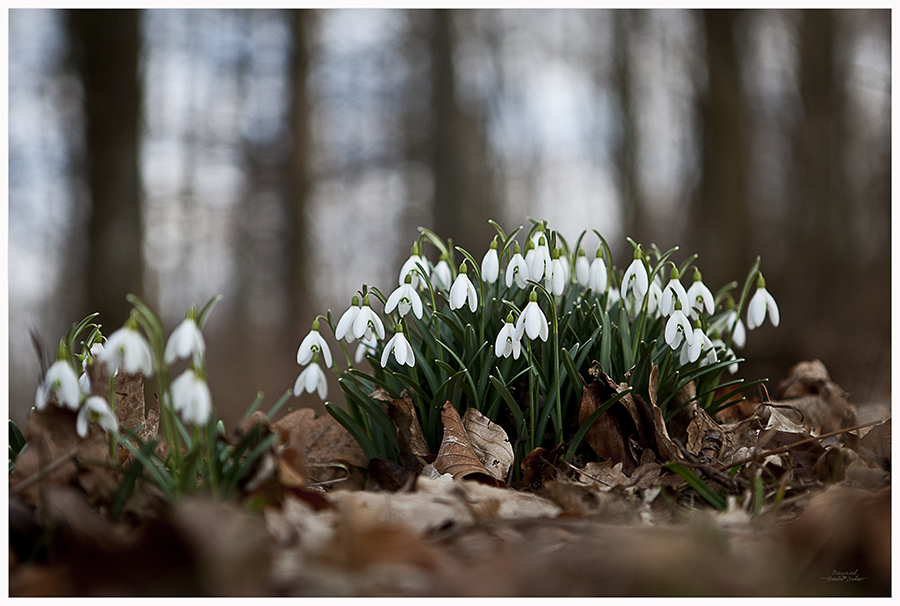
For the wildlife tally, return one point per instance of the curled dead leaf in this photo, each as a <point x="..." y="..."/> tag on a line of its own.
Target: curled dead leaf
<point x="489" y="442"/>
<point x="456" y="455"/>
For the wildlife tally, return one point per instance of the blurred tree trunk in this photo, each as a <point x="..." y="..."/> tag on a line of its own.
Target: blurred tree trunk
<point x="823" y="210"/>
<point x="625" y="22"/>
<point x="105" y="46"/>
<point x="722" y="210"/>
<point x="299" y="162"/>
<point x="463" y="195"/>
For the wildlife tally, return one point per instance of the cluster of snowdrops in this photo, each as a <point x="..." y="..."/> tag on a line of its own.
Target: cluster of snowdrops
<point x="513" y="336"/>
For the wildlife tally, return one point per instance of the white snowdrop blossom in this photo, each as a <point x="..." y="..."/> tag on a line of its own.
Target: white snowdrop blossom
<point x="672" y="293"/>
<point x="699" y="297"/>
<point x="582" y="269"/>
<point x="612" y="297"/>
<point x="186" y="340"/>
<point x="490" y="264"/>
<point x="761" y="302"/>
<point x="654" y="299"/>
<point x="539" y="263"/>
<point x="517" y="270"/>
<point x="84" y="383"/>
<point x="727" y="354"/>
<point x="312" y="344"/>
<point x="597" y="281"/>
<point x="400" y="347"/>
<point x="441" y="276"/>
<point x="366" y="323"/>
<point x="60" y="382"/>
<point x="532" y="321"/>
<point x="556" y="277"/>
<point x="191" y="397"/>
<point x="365" y="346"/>
<point x="345" y="324"/>
<point x="311" y="380"/>
<point x="678" y="327"/>
<point x="699" y="342"/>
<point x="635" y="278"/>
<point x="128" y="347"/>
<point x="413" y="267"/>
<point x="463" y="290"/>
<point x="403" y="299"/>
<point x="95" y="409"/>
<point x="507" y="342"/>
<point x="724" y="325"/>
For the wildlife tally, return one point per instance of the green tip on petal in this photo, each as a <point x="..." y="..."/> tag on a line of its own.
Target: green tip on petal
<point x="494" y="243"/>
<point x="554" y="254"/>
<point x="697" y="277"/>
<point x="674" y="275"/>
<point x="131" y="323"/>
<point x="509" y="318"/>
<point x="533" y="296"/>
<point x="542" y="241"/>
<point x="697" y="323"/>
<point x="462" y="268"/>
<point x="62" y="352"/>
<point x="638" y="253"/>
<point x="517" y="250"/>
<point x="315" y="324"/>
<point x="761" y="283"/>
<point x="366" y="301"/>
<point x="415" y="248"/>
<point x="408" y="278"/>
<point x="355" y="301"/>
<point x="191" y="314"/>
<point x="677" y="303"/>
<point x="400" y="327"/>
<point x="599" y="253"/>
<point x="581" y="252"/>
<point x="529" y="245"/>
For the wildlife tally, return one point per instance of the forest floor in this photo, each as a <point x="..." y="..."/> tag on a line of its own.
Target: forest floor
<point x="807" y="514"/>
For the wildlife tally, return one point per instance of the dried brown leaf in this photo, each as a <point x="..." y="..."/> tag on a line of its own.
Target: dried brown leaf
<point x="605" y="436"/>
<point x="412" y="445"/>
<point x="456" y="456"/>
<point x="489" y="442"/>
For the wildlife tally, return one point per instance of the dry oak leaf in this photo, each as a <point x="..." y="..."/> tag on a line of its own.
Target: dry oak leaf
<point x="490" y="443"/>
<point x="456" y="455"/>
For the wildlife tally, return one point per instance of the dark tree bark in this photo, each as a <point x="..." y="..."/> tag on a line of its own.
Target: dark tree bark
<point x="721" y="214"/>
<point x="105" y="47"/>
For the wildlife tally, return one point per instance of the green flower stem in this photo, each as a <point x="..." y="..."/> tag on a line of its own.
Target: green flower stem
<point x="532" y="405"/>
<point x="554" y="333"/>
<point x="751" y="279"/>
<point x="211" y="459"/>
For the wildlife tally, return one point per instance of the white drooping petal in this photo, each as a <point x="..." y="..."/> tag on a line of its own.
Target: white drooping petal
<point x="538" y="260"/>
<point x="311" y="344"/>
<point x="186" y="340"/>
<point x="413" y="267"/>
<point x="654" y="299"/>
<point x="677" y="328"/>
<point x="345" y="324"/>
<point x="673" y="292"/>
<point x="312" y="379"/>
<point x="517" y="271"/>
<point x="441" y="276"/>
<point x="761" y="302"/>
<point x="490" y="266"/>
<point x="463" y="290"/>
<point x="635" y="279"/>
<point x="363" y="348"/>
<point x="556" y="277"/>
<point x="532" y="322"/>
<point x="128" y="347"/>
<point x="582" y="270"/>
<point x="367" y="322"/>
<point x="96" y="409"/>
<point x="701" y="299"/>
<point x="62" y="382"/>
<point x="402" y="350"/>
<point x="403" y="299"/>
<point x="191" y="397"/>
<point x="698" y="342"/>
<point x="597" y="276"/>
<point x="507" y="343"/>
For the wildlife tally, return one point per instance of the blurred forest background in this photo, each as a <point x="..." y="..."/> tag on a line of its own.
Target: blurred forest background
<point x="283" y="158"/>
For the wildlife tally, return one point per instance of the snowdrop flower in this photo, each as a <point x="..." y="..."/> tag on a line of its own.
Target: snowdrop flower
<point x="678" y="327"/>
<point x="724" y="325"/>
<point x="191" y="396"/>
<point x="507" y="342"/>
<point x="345" y="324"/>
<point x="312" y="379"/>
<point x="699" y="342"/>
<point x="582" y="268"/>
<point x="539" y="262"/>
<point x="532" y="321"/>
<point x="403" y="299"/>
<point x="517" y="270"/>
<point x="127" y="346"/>
<point x="402" y="350"/>
<point x="441" y="276"/>
<point x="699" y="297"/>
<point x="312" y="344"/>
<point x="490" y="264"/>
<point x="95" y="409"/>
<point x="612" y="297"/>
<point x="726" y="354"/>
<point x="463" y="290"/>
<point x="635" y="278"/>
<point x="761" y="302"/>
<point x="186" y="340"/>
<point x="365" y="346"/>
<point x="556" y="275"/>
<point x="597" y="281"/>
<point x="654" y="298"/>
<point x="366" y="323"/>
<point x="412" y="267"/>
<point x="673" y="292"/>
<point x="60" y="382"/>
<point x="84" y="383"/>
